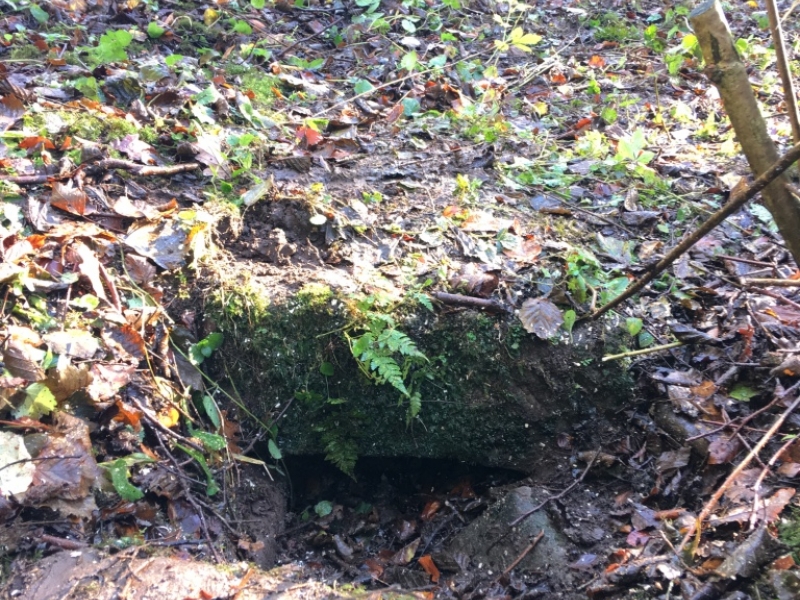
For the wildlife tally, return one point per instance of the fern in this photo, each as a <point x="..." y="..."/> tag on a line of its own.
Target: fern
<point x="388" y="372"/>
<point x="341" y="451"/>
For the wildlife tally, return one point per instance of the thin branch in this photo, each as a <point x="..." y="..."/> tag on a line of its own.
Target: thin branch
<point x="697" y="528"/>
<point x="559" y="495"/>
<point x="737" y="201"/>
<point x="471" y="301"/>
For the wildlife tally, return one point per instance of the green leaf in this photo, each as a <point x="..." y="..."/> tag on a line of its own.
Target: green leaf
<point x="258" y="4"/>
<point x="173" y="59"/>
<point x="211" y="485"/>
<point x="39" y="14"/>
<point x="154" y="30"/>
<point x="633" y="325"/>
<point x="742" y="393"/>
<point x="211" y="441"/>
<point x="205" y="348"/>
<point x="326" y="369"/>
<point x="243" y="27"/>
<point x="39" y="400"/>
<point x="363" y="86"/>
<point x="111" y="47"/>
<point x="569" y="320"/>
<point x="274" y="451"/>
<point x="323" y="508"/>
<point x="409" y="61"/>
<point x="85" y="302"/>
<point x="438" y="61"/>
<point x="645" y="339"/>
<point x="411" y="106"/>
<point x="119" y="479"/>
<point x="212" y="411"/>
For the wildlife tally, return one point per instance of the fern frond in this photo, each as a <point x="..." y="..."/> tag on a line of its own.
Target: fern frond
<point x="389" y="372"/>
<point x="414" y="405"/>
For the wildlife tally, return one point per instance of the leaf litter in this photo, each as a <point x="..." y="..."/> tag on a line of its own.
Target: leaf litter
<point x="497" y="145"/>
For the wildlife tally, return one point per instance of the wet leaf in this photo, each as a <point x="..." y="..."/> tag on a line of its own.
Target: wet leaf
<point x="541" y="317"/>
<point x="118" y="470"/>
<point x="427" y="564"/>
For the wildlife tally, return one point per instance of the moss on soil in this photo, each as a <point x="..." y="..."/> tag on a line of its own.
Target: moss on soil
<point x="490" y="391"/>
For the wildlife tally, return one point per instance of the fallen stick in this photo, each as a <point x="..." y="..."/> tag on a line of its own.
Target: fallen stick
<point x="107" y="164"/>
<point x="472" y="301"/>
<point x="697" y="528"/>
<point x="770" y="282"/>
<point x="737" y="201"/>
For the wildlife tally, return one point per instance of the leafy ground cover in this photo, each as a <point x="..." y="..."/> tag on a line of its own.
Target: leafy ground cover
<point x="527" y="159"/>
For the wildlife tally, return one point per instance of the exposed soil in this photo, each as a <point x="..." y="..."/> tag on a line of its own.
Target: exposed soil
<point x="496" y="186"/>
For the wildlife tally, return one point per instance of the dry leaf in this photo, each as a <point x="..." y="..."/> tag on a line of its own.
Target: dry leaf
<point x="541" y="317"/>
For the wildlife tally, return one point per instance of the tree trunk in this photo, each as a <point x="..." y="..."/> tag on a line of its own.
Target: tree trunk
<point x="727" y="72"/>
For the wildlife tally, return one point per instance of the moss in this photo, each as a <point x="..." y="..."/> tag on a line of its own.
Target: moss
<point x="26" y="52"/>
<point x="488" y="389"/>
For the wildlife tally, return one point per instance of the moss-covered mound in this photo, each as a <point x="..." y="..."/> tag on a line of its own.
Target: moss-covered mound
<point x="489" y="392"/>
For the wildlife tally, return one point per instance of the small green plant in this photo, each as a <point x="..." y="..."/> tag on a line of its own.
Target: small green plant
<point x="789" y="532"/>
<point x="112" y="47"/>
<point x="386" y="355"/>
<point x="466" y="188"/>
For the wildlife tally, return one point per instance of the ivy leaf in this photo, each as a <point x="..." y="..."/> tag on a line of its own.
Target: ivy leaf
<point x="39" y="400"/>
<point x="541" y="317"/>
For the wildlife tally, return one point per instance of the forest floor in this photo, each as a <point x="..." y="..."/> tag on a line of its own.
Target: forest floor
<point x="150" y="152"/>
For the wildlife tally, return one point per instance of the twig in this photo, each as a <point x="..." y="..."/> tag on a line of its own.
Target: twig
<point x="642" y="351"/>
<point x="559" y="495"/>
<point x="504" y="575"/>
<point x="778" y="297"/>
<point x="187" y="493"/>
<point x="472" y="301"/>
<point x="712" y="503"/>
<point x="137" y="169"/>
<point x="63" y="542"/>
<point x="737" y="201"/>
<point x="770" y="282"/>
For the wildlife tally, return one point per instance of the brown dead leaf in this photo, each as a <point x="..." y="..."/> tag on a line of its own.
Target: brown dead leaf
<point x="723" y="450"/>
<point x="125" y="342"/>
<point x="107" y="379"/>
<point x="427" y="564"/>
<point x="68" y="380"/>
<point x="23" y="360"/>
<point x="541" y="317"/>
<point x="406" y="554"/>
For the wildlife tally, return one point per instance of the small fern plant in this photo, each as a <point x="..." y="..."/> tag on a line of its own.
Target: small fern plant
<point x="386" y="355"/>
